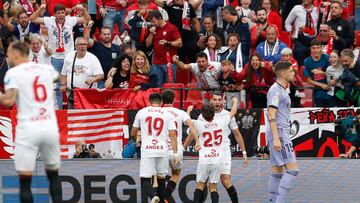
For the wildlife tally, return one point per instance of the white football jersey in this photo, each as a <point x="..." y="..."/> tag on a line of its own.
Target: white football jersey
<point x="212" y="136"/>
<point x="35" y="100"/>
<point x="155" y="124"/>
<point x="227" y="129"/>
<point x="180" y="117"/>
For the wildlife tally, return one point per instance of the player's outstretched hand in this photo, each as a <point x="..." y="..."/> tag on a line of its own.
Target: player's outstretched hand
<point x="197" y="147"/>
<point x="277" y="145"/>
<point x="246" y="161"/>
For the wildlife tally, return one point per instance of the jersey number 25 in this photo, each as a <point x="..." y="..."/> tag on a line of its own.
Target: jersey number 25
<point x="212" y="139"/>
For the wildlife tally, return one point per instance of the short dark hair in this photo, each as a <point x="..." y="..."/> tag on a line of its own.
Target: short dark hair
<point x="155" y="98"/>
<point x="59" y="7"/>
<point x="168" y="96"/>
<point x="155" y="14"/>
<point x="120" y="59"/>
<point x="105" y="27"/>
<point x="142" y="2"/>
<point x="217" y="93"/>
<point x="208" y="112"/>
<point x="213" y="19"/>
<point x="315" y="42"/>
<point x="21" y="47"/>
<point x="260" y="9"/>
<point x="231" y="10"/>
<point x="22" y="11"/>
<point x="201" y="54"/>
<point x="347" y="52"/>
<point x="233" y="35"/>
<point x="337" y="2"/>
<point x="281" y="66"/>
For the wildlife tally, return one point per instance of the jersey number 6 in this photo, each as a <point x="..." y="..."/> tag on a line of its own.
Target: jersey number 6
<point x="39" y="97"/>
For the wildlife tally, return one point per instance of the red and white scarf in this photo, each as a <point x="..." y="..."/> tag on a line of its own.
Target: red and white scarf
<point x="202" y="78"/>
<point x="186" y="19"/>
<point x="60" y="41"/>
<point x="309" y="24"/>
<point x="275" y="48"/>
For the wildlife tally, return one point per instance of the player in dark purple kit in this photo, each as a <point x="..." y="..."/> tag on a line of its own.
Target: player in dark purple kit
<point x="278" y="135"/>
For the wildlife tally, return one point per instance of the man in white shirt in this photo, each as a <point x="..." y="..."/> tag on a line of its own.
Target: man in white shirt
<point x="157" y="125"/>
<point x="30" y="85"/>
<point x="61" y="39"/>
<point x="211" y="155"/>
<point x="307" y="16"/>
<point x="181" y="117"/>
<point x="83" y="65"/>
<point x="205" y="71"/>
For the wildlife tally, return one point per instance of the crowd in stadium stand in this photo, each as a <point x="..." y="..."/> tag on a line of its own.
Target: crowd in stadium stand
<point x="230" y="45"/>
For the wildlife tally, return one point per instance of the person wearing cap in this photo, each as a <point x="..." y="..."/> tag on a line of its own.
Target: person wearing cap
<point x="295" y="94"/>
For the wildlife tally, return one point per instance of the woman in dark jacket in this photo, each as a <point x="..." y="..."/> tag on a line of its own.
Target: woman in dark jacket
<point x="119" y="74"/>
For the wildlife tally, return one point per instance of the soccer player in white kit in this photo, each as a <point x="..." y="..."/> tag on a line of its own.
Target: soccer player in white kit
<point x="217" y="101"/>
<point x="211" y="155"/>
<point x="181" y="117"/>
<point x="30" y="86"/>
<point x="157" y="125"/>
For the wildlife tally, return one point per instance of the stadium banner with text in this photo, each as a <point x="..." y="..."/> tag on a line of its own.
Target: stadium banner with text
<point x="313" y="131"/>
<point x="105" y="128"/>
<point x="101" y="181"/>
<point x="112" y="99"/>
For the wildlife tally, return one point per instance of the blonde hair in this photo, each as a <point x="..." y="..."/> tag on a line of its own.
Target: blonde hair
<point x="145" y="69"/>
<point x="226" y="62"/>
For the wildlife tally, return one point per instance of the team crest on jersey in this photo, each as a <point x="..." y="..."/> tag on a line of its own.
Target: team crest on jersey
<point x="275" y="100"/>
<point x="213" y="153"/>
<point x="154" y="141"/>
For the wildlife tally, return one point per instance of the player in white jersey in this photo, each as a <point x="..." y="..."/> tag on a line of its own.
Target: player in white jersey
<point x="30" y="86"/>
<point x="157" y="125"/>
<point x="211" y="155"/>
<point x="217" y="101"/>
<point x="181" y="117"/>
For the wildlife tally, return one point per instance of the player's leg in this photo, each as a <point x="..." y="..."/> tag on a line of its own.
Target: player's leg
<point x="161" y="171"/>
<point x="274" y="182"/>
<point x="50" y="153"/>
<point x="147" y="170"/>
<point x="175" y="176"/>
<point x="287" y="181"/>
<point x="25" y="159"/>
<point x="214" y="177"/>
<point x="202" y="174"/>
<point x="277" y="163"/>
<point x="155" y="185"/>
<point x="226" y="181"/>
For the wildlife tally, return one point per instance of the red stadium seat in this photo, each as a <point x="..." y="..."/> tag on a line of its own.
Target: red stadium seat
<point x="194" y="96"/>
<point x="357" y="38"/>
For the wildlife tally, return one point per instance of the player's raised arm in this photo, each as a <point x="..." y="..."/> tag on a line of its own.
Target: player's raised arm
<point x="193" y="134"/>
<point x="234" y="107"/>
<point x="9" y="98"/>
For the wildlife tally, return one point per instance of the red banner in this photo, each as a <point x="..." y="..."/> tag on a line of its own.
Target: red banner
<point x="111" y="99"/>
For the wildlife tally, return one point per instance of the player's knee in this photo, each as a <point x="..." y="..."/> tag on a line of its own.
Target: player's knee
<point x="294" y="172"/>
<point x="226" y="180"/>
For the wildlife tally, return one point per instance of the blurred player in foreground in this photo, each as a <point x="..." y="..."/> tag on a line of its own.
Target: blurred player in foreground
<point x="278" y="135"/>
<point x="181" y="117"/>
<point x="30" y="86"/>
<point x="157" y="125"/>
<point x="211" y="155"/>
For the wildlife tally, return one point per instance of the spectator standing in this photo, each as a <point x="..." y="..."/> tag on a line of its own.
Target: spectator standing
<point x="273" y="16"/>
<point x="270" y="49"/>
<point x="138" y="23"/>
<point x="165" y="39"/>
<point x="244" y="11"/>
<point x="119" y="75"/>
<point x="228" y="83"/>
<point x="61" y="40"/>
<point x="333" y="73"/>
<point x="81" y="69"/>
<point x="328" y="43"/>
<point x="40" y="52"/>
<point x="234" y="52"/>
<point x="104" y="50"/>
<point x="113" y="11"/>
<point x="236" y="24"/>
<point x="348" y="61"/>
<point x="206" y="73"/>
<point x="140" y="77"/>
<point x="341" y="29"/>
<point x="213" y="47"/>
<point x="258" y="30"/>
<point x="259" y="76"/>
<point x="209" y="27"/>
<point x="315" y="74"/>
<point x="23" y="28"/>
<point x="305" y="15"/>
<point x="92" y="9"/>
<point x="183" y="16"/>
